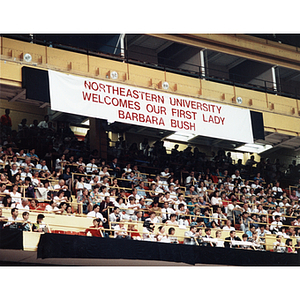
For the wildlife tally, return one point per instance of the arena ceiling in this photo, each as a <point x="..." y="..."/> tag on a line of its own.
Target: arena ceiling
<point x="166" y="49"/>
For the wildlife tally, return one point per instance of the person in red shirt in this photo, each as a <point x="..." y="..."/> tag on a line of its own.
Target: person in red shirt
<point x="95" y="230"/>
<point x="5" y="122"/>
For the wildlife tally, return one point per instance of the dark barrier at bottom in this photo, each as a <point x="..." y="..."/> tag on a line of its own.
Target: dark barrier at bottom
<point x="71" y="246"/>
<point x="11" y="239"/>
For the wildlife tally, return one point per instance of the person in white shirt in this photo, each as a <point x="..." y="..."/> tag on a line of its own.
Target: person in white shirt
<point x="172" y="220"/>
<point x="190" y="180"/>
<point x="277" y="190"/>
<point x="103" y="192"/>
<point x="153" y="218"/>
<point x="60" y="163"/>
<point x="23" y="205"/>
<point x="15" y="195"/>
<point x="166" y="212"/>
<point x="13" y="219"/>
<point x="14" y="169"/>
<point x="276" y="225"/>
<point x="52" y="207"/>
<point x="104" y="172"/>
<point x="42" y="166"/>
<point x="44" y="124"/>
<point x="92" y="168"/>
<point x="120" y="231"/>
<point x="190" y="236"/>
<point x="277" y="213"/>
<point x="132" y="206"/>
<point x="215" y="199"/>
<point x="126" y="170"/>
<point x="96" y="214"/>
<point x="27" y="163"/>
<point x="236" y="175"/>
<point x="115" y="216"/>
<point x="95" y="180"/>
<point x="26" y="173"/>
<point x="279" y="245"/>
<point x="228" y="226"/>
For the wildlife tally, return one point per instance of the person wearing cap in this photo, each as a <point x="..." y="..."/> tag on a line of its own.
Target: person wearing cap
<point x="39" y="226"/>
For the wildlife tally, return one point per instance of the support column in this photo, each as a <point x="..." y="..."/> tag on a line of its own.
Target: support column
<point x="202" y="63"/>
<point x="274" y="78"/>
<point x="98" y="137"/>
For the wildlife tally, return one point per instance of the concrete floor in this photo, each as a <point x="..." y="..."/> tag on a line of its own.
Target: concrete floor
<point x="29" y="258"/>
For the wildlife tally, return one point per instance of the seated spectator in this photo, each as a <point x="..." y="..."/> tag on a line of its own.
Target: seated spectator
<point x="228" y="226"/>
<point x="91" y="167"/>
<point x="219" y="242"/>
<point x="245" y="222"/>
<point x="26" y="173"/>
<point x="60" y="197"/>
<point x="161" y="235"/>
<point x="104" y="172"/>
<point x="229" y="241"/>
<point x="277" y="190"/>
<point x="103" y="192"/>
<point x="115" y="167"/>
<point x="148" y="228"/>
<point x="96" y="229"/>
<point x="293" y="196"/>
<point x="279" y="245"/>
<point x="7" y="201"/>
<point x="172" y="220"/>
<point x="207" y="237"/>
<point x="95" y="180"/>
<point x="276" y="225"/>
<point x="13" y="222"/>
<point x="105" y="206"/>
<point x="26" y="223"/>
<point x="95" y="195"/>
<point x="245" y="239"/>
<point x="218" y="217"/>
<point x="289" y="246"/>
<point x="191" y="236"/>
<point x="52" y="207"/>
<point x="39" y="226"/>
<point x="171" y="236"/>
<point x="85" y="202"/>
<point x="23" y="205"/>
<point x="191" y="191"/>
<point x="42" y="166"/>
<point x="251" y="231"/>
<point x="133" y="232"/>
<point x="96" y="214"/>
<point x="115" y="216"/>
<point x="153" y="218"/>
<point x="60" y="163"/>
<point x="120" y="231"/>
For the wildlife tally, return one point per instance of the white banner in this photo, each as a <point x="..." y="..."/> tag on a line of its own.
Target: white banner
<point x="123" y="103"/>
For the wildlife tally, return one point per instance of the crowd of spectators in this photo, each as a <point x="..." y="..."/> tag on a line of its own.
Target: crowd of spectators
<point x="141" y="183"/>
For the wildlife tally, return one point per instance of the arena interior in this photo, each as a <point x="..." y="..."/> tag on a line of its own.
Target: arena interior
<point x="135" y="140"/>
